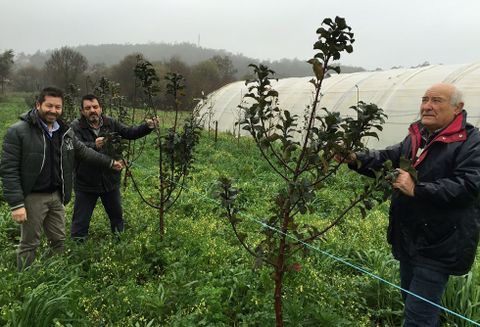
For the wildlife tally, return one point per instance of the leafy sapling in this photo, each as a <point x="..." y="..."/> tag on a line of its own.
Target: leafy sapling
<point x="300" y="153"/>
<point x="175" y="145"/>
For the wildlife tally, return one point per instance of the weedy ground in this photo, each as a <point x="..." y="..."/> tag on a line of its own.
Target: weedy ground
<point x="197" y="275"/>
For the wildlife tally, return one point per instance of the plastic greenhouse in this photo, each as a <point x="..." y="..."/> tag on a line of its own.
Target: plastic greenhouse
<point x="397" y="91"/>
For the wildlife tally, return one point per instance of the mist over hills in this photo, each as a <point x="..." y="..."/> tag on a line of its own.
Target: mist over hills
<point x="191" y="54"/>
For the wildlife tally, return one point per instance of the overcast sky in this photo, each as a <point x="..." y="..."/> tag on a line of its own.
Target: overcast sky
<point x="388" y="33"/>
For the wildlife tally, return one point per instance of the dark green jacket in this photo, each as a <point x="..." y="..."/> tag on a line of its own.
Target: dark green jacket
<point x="24" y="153"/>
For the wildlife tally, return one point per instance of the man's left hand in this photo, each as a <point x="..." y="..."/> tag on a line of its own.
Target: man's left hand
<point x="99" y="142"/>
<point x="404" y="183"/>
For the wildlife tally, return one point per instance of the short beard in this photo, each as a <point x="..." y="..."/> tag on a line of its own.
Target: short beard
<point x="43" y="116"/>
<point x="94" y="118"/>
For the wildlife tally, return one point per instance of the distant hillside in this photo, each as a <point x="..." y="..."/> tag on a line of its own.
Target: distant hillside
<point x="110" y="54"/>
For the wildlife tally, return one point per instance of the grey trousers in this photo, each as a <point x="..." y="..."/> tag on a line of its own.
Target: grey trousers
<point x="44" y="210"/>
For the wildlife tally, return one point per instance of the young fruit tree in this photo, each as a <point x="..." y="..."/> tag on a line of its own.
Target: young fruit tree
<point x="301" y="154"/>
<point x="175" y="144"/>
<point x="113" y="104"/>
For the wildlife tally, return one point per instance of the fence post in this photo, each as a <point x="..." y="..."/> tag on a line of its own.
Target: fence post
<point x="238" y="136"/>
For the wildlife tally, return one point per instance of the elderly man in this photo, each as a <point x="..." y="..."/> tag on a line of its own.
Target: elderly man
<point x="92" y="183"/>
<point x="434" y="221"/>
<point x="37" y="172"/>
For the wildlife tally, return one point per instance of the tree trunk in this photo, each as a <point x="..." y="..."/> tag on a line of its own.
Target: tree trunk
<point x="125" y="175"/>
<point x="161" y="186"/>
<point x="161" y="215"/>
<point x="279" y="271"/>
<point x="161" y="191"/>
<point x="278" y="298"/>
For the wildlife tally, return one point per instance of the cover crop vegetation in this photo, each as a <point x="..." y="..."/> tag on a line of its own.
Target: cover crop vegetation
<point x="197" y="275"/>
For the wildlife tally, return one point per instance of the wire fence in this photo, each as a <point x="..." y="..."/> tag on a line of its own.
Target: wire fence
<point x="326" y="253"/>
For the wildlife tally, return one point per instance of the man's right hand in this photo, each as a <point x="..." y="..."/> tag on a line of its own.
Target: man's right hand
<point x="99" y="142"/>
<point x="19" y="215"/>
<point x="349" y="158"/>
<point x="117" y="165"/>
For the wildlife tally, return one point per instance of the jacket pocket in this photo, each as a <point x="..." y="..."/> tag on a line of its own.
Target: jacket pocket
<point x="439" y="243"/>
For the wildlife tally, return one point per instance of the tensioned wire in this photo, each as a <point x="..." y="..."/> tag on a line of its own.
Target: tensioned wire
<point x="332" y="256"/>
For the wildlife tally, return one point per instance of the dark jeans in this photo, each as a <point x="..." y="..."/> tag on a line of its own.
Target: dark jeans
<point x="85" y="203"/>
<point x="426" y="283"/>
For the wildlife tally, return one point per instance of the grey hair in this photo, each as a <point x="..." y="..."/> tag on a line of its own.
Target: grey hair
<point x="457" y="96"/>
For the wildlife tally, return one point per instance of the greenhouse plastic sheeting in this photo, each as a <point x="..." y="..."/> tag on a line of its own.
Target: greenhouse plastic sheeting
<point x="397" y="91"/>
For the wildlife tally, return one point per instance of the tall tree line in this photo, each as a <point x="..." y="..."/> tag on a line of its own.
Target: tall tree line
<point x="69" y="69"/>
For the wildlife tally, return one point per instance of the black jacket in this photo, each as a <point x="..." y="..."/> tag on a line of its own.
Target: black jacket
<point x="89" y="178"/>
<point x="24" y="155"/>
<point x="439" y="226"/>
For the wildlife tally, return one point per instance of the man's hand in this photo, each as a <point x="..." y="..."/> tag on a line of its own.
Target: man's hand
<point x="99" y="142"/>
<point x="152" y="123"/>
<point x="350" y="158"/>
<point x="404" y="183"/>
<point x="19" y="215"/>
<point x="117" y="165"/>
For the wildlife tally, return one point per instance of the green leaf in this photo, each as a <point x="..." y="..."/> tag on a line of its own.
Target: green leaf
<point x="406" y="165"/>
<point x="317" y="68"/>
<point x="388" y="165"/>
<point x="340" y="21"/>
<point x="327" y="21"/>
<point x="273" y="137"/>
<point x="335" y="68"/>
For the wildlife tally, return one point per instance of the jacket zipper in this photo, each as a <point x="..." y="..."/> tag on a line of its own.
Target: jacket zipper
<point x="44" y="152"/>
<point x="61" y="165"/>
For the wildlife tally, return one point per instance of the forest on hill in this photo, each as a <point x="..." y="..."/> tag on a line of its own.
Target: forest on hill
<point x="80" y="70"/>
<point x="191" y="54"/>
